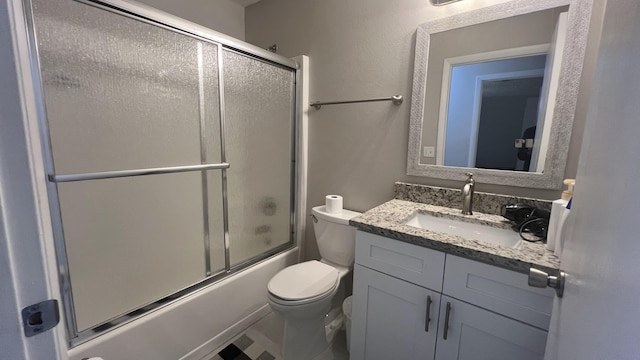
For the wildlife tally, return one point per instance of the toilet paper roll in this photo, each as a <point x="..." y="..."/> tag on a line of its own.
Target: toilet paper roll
<point x="333" y="203"/>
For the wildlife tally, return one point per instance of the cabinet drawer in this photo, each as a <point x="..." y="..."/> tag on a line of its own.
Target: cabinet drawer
<point x="503" y="291"/>
<point x="408" y="262"/>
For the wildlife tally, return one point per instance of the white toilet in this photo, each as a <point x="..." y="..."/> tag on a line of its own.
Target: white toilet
<point x="305" y="294"/>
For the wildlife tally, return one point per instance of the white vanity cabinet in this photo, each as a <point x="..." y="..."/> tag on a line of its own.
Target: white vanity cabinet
<point x="391" y="321"/>
<point x="401" y="288"/>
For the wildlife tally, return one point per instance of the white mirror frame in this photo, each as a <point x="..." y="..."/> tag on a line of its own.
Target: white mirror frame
<point x="565" y="105"/>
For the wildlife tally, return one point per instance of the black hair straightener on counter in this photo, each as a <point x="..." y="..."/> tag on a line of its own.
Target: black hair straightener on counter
<point x="530" y="222"/>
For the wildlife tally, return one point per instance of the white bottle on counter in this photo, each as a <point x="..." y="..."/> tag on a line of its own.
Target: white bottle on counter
<point x="564" y="229"/>
<point x="558" y="207"/>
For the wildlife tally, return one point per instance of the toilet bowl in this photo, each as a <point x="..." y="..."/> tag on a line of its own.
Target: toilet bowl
<point x="304" y="294"/>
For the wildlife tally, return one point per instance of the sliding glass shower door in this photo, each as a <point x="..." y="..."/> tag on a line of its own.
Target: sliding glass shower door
<point x="171" y="159"/>
<point x="259" y="182"/>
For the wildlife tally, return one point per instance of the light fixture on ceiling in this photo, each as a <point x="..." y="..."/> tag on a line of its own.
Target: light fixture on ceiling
<point x="442" y="2"/>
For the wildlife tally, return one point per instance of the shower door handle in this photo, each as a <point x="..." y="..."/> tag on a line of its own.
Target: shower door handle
<point x="135" y="172"/>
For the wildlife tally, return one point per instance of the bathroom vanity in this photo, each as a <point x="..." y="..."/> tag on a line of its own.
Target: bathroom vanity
<point x="421" y="293"/>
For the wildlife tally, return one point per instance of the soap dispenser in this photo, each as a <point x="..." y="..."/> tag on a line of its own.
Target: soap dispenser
<point x="563" y="230"/>
<point x="558" y="208"/>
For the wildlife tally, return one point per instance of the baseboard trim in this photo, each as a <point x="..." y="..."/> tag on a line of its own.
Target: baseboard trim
<point x="207" y="350"/>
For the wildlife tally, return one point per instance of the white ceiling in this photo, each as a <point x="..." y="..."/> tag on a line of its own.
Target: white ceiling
<point x="245" y="3"/>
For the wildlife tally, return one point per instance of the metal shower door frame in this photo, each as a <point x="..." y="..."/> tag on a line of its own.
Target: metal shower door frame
<point x="154" y="17"/>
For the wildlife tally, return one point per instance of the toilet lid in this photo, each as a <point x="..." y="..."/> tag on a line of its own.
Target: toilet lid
<point x="305" y="280"/>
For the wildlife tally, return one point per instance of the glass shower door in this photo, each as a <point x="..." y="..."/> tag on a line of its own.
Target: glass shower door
<point x="171" y="159"/>
<point x="122" y="94"/>
<point x="258" y="137"/>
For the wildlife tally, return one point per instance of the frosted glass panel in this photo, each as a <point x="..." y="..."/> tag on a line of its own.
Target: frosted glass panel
<point x="258" y="113"/>
<point x="121" y="93"/>
<point x="125" y="94"/>
<point x="131" y="241"/>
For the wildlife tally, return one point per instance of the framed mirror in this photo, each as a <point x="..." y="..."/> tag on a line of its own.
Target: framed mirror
<point x="495" y="92"/>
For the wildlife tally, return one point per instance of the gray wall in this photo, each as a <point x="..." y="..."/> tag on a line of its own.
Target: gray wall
<point x="224" y="16"/>
<point x="360" y="49"/>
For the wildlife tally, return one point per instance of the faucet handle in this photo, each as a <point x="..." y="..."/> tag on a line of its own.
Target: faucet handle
<point x="470" y="178"/>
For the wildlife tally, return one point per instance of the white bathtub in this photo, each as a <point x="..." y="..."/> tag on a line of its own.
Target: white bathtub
<point x="196" y="325"/>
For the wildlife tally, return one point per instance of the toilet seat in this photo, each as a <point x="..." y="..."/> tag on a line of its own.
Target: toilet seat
<point x="304" y="283"/>
<point x="293" y="303"/>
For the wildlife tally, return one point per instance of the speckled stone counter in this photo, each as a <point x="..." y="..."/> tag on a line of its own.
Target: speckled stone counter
<point x="389" y="220"/>
<point x="483" y="202"/>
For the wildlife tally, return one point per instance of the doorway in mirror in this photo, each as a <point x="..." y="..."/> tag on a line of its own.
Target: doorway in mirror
<point x="493" y="113"/>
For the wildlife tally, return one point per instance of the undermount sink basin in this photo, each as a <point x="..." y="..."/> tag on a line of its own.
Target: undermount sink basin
<point x="469" y="231"/>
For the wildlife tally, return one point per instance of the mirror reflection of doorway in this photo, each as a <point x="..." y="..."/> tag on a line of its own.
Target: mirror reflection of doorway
<point x="509" y="111"/>
<point x="490" y="105"/>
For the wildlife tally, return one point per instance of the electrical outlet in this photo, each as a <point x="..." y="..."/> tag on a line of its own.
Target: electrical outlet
<point x="429" y="151"/>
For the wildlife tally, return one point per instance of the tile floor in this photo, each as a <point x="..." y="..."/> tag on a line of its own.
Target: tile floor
<point x="245" y="348"/>
<point x="263" y="341"/>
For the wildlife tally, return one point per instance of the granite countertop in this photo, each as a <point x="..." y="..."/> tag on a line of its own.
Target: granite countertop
<point x="388" y="220"/>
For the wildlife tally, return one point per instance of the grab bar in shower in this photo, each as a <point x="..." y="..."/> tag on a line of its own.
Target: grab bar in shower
<point x="396" y="99"/>
<point x="137" y="172"/>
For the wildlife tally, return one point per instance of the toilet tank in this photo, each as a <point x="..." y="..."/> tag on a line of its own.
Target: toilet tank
<point x="336" y="239"/>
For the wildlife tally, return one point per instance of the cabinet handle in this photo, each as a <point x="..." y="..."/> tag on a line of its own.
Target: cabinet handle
<point x="446" y="321"/>
<point x="428" y="320"/>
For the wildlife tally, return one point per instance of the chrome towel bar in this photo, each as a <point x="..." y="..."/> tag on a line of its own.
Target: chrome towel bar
<point x="137" y="172"/>
<point x="396" y="99"/>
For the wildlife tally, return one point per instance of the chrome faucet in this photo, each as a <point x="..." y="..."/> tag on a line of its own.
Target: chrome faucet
<point x="467" y="195"/>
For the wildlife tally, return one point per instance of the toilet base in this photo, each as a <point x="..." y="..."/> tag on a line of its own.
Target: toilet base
<point x="311" y="338"/>
<point x="327" y="354"/>
<point x="333" y="323"/>
<point x="304" y="339"/>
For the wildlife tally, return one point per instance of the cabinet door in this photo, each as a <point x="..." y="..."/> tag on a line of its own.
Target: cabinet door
<point x="389" y="318"/>
<point x="476" y="334"/>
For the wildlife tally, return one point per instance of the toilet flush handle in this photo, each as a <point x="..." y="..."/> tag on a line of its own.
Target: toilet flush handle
<point x="315" y="219"/>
